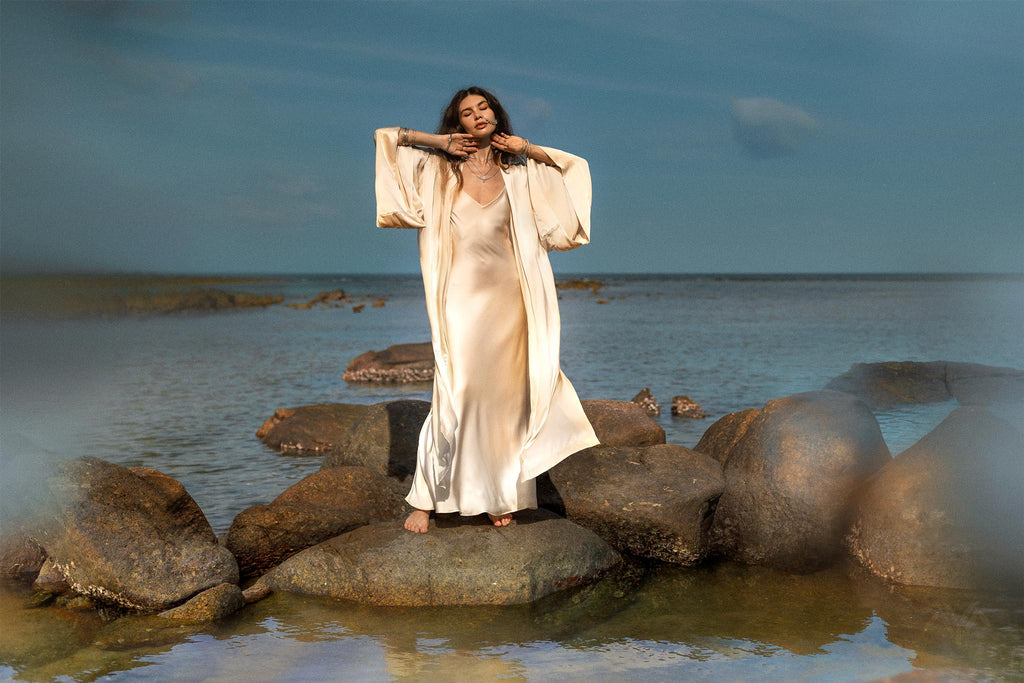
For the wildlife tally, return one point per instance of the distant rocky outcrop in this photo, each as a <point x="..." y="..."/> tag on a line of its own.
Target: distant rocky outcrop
<point x="316" y="428"/>
<point x="791" y="470"/>
<point x="886" y="384"/>
<point x="400" y="364"/>
<point x="622" y="423"/>
<point x="948" y="510"/>
<point x="650" y="501"/>
<point x="131" y="537"/>
<point x="459" y="562"/>
<point x="645" y="399"/>
<point x="321" y="506"/>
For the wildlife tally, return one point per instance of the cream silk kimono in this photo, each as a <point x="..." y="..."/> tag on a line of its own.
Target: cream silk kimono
<point x="548" y="208"/>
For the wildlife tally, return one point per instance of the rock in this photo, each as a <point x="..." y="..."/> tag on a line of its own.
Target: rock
<point x="789" y="478"/>
<point x="385" y="439"/>
<point x="645" y="399"/>
<point x="947" y="511"/>
<point x="721" y="437"/>
<point x="400" y="363"/>
<point x="210" y="605"/>
<point x="51" y="579"/>
<point x="652" y="501"/>
<point x="21" y="558"/>
<point x="317" y="428"/>
<point x="622" y="423"/>
<point x="138" y="541"/>
<point x="323" y="505"/>
<point x="684" y="406"/>
<point x="885" y="384"/>
<point x="460" y="561"/>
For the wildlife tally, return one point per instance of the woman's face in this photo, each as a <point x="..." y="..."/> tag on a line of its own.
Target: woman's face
<point x="476" y="116"/>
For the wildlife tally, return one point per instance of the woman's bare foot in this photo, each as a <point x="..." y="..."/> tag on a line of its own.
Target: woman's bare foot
<point x="500" y="520"/>
<point x="418" y="521"/>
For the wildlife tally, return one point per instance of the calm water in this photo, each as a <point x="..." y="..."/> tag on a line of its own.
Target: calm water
<point x="186" y="393"/>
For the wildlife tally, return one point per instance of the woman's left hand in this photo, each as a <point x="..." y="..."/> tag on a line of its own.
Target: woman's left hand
<point x="513" y="144"/>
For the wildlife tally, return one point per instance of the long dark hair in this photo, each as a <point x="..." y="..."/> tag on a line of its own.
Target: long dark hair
<point x="451" y="123"/>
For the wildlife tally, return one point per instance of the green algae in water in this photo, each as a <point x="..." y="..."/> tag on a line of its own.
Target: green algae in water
<point x="723" y="622"/>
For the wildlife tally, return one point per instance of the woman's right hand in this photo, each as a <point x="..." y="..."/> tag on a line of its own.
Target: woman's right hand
<point x="457" y="144"/>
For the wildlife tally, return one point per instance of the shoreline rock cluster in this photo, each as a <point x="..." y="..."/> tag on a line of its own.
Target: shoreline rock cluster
<point x="796" y="485"/>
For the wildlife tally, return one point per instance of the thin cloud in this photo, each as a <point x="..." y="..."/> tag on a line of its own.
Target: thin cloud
<point x="766" y="127"/>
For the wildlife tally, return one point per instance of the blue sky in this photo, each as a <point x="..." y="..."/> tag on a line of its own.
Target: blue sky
<point x="722" y="137"/>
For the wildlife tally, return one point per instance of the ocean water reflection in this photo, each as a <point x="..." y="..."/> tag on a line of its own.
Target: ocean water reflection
<point x="725" y="622"/>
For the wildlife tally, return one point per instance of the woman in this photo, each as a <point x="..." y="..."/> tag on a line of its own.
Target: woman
<point x="488" y="206"/>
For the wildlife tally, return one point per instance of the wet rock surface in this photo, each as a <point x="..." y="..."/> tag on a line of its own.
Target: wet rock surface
<point x="684" y="406"/>
<point x="21" y="558"/>
<point x="323" y="505"/>
<point x="316" y="428"/>
<point x="893" y="383"/>
<point x="210" y="605"/>
<point x="622" y="423"/>
<point x="651" y="501"/>
<point x="401" y="363"/>
<point x="136" y="539"/>
<point x="460" y="561"/>
<point x="790" y="474"/>
<point x="384" y="439"/>
<point x="947" y="511"/>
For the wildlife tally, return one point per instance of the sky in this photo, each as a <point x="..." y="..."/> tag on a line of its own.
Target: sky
<point x="722" y="137"/>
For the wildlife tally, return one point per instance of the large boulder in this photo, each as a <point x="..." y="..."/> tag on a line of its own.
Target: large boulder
<point x="947" y="511"/>
<point x="622" y="423"/>
<point x="789" y="478"/>
<point x="400" y="363"/>
<point x="315" y="429"/>
<point x="882" y="385"/>
<point x="323" y="505"/>
<point x="385" y="439"/>
<point x="130" y="537"/>
<point x="460" y="561"/>
<point x="651" y="501"/>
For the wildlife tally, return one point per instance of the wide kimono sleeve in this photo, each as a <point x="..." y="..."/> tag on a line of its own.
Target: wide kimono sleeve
<point x="399" y="174"/>
<point x="561" y="197"/>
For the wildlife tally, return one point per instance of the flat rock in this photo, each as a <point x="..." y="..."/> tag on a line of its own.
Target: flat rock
<point x="885" y="384"/>
<point x="652" y="501"/>
<point x="949" y="510"/>
<point x="136" y="539"/>
<point x="316" y="428"/>
<point x="321" y="506"/>
<point x="460" y="561"/>
<point x="385" y="439"/>
<point x="622" y="423"/>
<point x="401" y="363"/>
<point x="210" y="605"/>
<point x="790" y="475"/>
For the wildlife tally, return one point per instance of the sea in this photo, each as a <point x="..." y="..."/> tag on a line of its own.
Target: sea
<point x="185" y="393"/>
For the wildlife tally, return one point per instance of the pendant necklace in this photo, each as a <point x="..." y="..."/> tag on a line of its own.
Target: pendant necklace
<point x="489" y="170"/>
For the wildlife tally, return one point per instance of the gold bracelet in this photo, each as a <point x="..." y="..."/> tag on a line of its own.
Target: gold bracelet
<point x="527" y="148"/>
<point x="403" y="137"/>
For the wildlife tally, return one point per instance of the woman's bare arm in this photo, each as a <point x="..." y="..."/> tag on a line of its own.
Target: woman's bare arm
<point x="517" y="145"/>
<point x="456" y="144"/>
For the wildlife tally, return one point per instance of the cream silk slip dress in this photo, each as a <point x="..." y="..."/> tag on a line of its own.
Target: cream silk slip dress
<point x="487" y="333"/>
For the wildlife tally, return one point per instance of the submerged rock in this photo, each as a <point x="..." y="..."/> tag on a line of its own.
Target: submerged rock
<point x="316" y="428"/>
<point x="133" y="538"/>
<point x="323" y="505"/>
<point x="210" y="605"/>
<point x="651" y="501"/>
<point x="622" y="423"/>
<point x="459" y="562"/>
<point x="893" y="383"/>
<point x="384" y="439"/>
<point x="947" y="511"/>
<point x="401" y="363"/>
<point x="790" y="473"/>
<point x="21" y="558"/>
